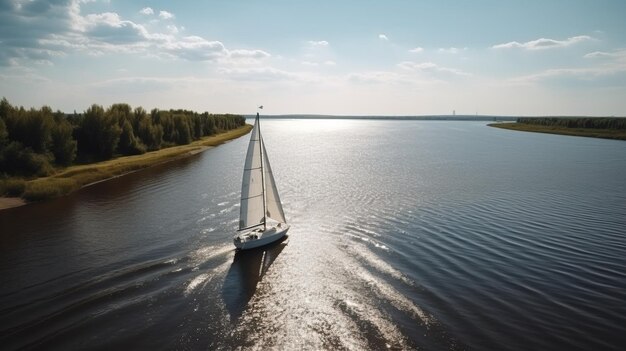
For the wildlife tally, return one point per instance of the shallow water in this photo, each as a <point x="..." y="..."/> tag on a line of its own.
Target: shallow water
<point x="405" y="235"/>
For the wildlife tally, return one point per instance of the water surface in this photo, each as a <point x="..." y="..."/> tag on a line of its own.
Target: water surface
<point x="405" y="235"/>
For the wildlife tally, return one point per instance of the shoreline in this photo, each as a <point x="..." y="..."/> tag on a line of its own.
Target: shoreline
<point x="613" y="134"/>
<point x="11" y="202"/>
<point x="73" y="178"/>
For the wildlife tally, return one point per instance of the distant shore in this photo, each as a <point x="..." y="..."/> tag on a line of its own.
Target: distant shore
<point x="76" y="177"/>
<point x="583" y="132"/>
<point x="393" y="118"/>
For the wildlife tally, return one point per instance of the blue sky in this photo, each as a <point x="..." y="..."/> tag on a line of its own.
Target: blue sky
<point x="321" y="57"/>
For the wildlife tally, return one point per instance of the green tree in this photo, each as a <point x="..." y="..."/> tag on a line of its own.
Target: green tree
<point x="15" y="159"/>
<point x="63" y="144"/>
<point x="150" y="134"/>
<point x="128" y="144"/>
<point x="31" y="128"/>
<point x="99" y="133"/>
<point x="4" y="134"/>
<point x="183" y="132"/>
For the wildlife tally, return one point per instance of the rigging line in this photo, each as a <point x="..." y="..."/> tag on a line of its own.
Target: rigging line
<point x="251" y="197"/>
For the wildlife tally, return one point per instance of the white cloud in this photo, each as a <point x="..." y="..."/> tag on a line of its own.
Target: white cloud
<point x="315" y="64"/>
<point x="597" y="54"/>
<point x="257" y="54"/>
<point x="194" y="48"/>
<point x="318" y="43"/>
<point x="409" y="65"/>
<point x="108" y="27"/>
<point x="610" y="66"/>
<point x="452" y="50"/>
<point x="619" y="54"/>
<point x="172" y="29"/>
<point x="147" y="11"/>
<point x="383" y="37"/>
<point x="377" y="77"/>
<point x="165" y="15"/>
<point x="244" y="57"/>
<point x="40" y="34"/>
<point x="429" y="67"/>
<point x="614" y="71"/>
<point x="543" y="43"/>
<point x="417" y="50"/>
<point x="264" y="74"/>
<point x="135" y="85"/>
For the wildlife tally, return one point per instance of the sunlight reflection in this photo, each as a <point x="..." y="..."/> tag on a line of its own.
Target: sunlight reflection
<point x="313" y="126"/>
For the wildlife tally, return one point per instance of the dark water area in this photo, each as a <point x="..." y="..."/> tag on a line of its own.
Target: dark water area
<point x="435" y="235"/>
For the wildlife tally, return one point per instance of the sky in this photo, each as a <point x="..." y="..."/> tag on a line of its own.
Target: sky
<point x="338" y="57"/>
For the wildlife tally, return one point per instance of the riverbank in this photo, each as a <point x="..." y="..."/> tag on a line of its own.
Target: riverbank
<point x="583" y="132"/>
<point x="72" y="178"/>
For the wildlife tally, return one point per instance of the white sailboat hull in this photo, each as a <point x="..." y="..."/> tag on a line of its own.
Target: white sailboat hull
<point x="258" y="237"/>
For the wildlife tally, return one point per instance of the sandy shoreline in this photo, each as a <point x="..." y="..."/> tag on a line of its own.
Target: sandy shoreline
<point x="122" y="166"/>
<point x="10" y="202"/>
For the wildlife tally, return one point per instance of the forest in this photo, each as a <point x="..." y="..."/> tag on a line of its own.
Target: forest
<point x="35" y="141"/>
<point x="577" y="122"/>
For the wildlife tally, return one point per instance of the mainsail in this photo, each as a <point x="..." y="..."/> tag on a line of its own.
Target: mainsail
<point x="251" y="210"/>
<point x="257" y="197"/>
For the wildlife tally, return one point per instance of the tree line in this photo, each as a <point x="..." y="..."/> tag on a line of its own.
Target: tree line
<point x="33" y="141"/>
<point x="577" y="122"/>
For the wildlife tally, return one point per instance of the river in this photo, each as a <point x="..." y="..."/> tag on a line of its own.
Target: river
<point x="435" y="235"/>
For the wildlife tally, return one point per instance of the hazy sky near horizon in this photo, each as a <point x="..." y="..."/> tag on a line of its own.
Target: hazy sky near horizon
<point x="498" y="57"/>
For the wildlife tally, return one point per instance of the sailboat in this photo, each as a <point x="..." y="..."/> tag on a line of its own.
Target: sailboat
<point x="261" y="217"/>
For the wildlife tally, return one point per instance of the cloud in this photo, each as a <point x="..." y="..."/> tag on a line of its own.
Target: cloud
<point x="22" y="24"/>
<point x="316" y="64"/>
<point x="618" y="55"/>
<point x="429" y="67"/>
<point x="451" y="50"/>
<point x="315" y="43"/>
<point x="605" y="67"/>
<point x="110" y="28"/>
<point x="264" y="74"/>
<point x="40" y="31"/>
<point x="165" y="15"/>
<point x="383" y="37"/>
<point x="608" y="67"/>
<point x="146" y="11"/>
<point x="172" y="29"/>
<point x="244" y="57"/>
<point x="579" y="74"/>
<point x="377" y="77"/>
<point x="257" y="54"/>
<point x="543" y="43"/>
<point x="194" y="48"/>
<point x="416" y="50"/>
<point x="135" y="85"/>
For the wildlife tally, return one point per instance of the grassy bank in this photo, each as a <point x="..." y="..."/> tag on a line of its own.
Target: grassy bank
<point x="72" y="178"/>
<point x="584" y="132"/>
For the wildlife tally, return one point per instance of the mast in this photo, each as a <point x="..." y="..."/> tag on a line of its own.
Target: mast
<point x="262" y="172"/>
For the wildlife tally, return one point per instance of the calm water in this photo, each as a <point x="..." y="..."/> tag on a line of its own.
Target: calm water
<point x="405" y="235"/>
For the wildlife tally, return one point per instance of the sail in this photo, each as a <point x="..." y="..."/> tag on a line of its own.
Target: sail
<point x="251" y="210"/>
<point x="274" y="209"/>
